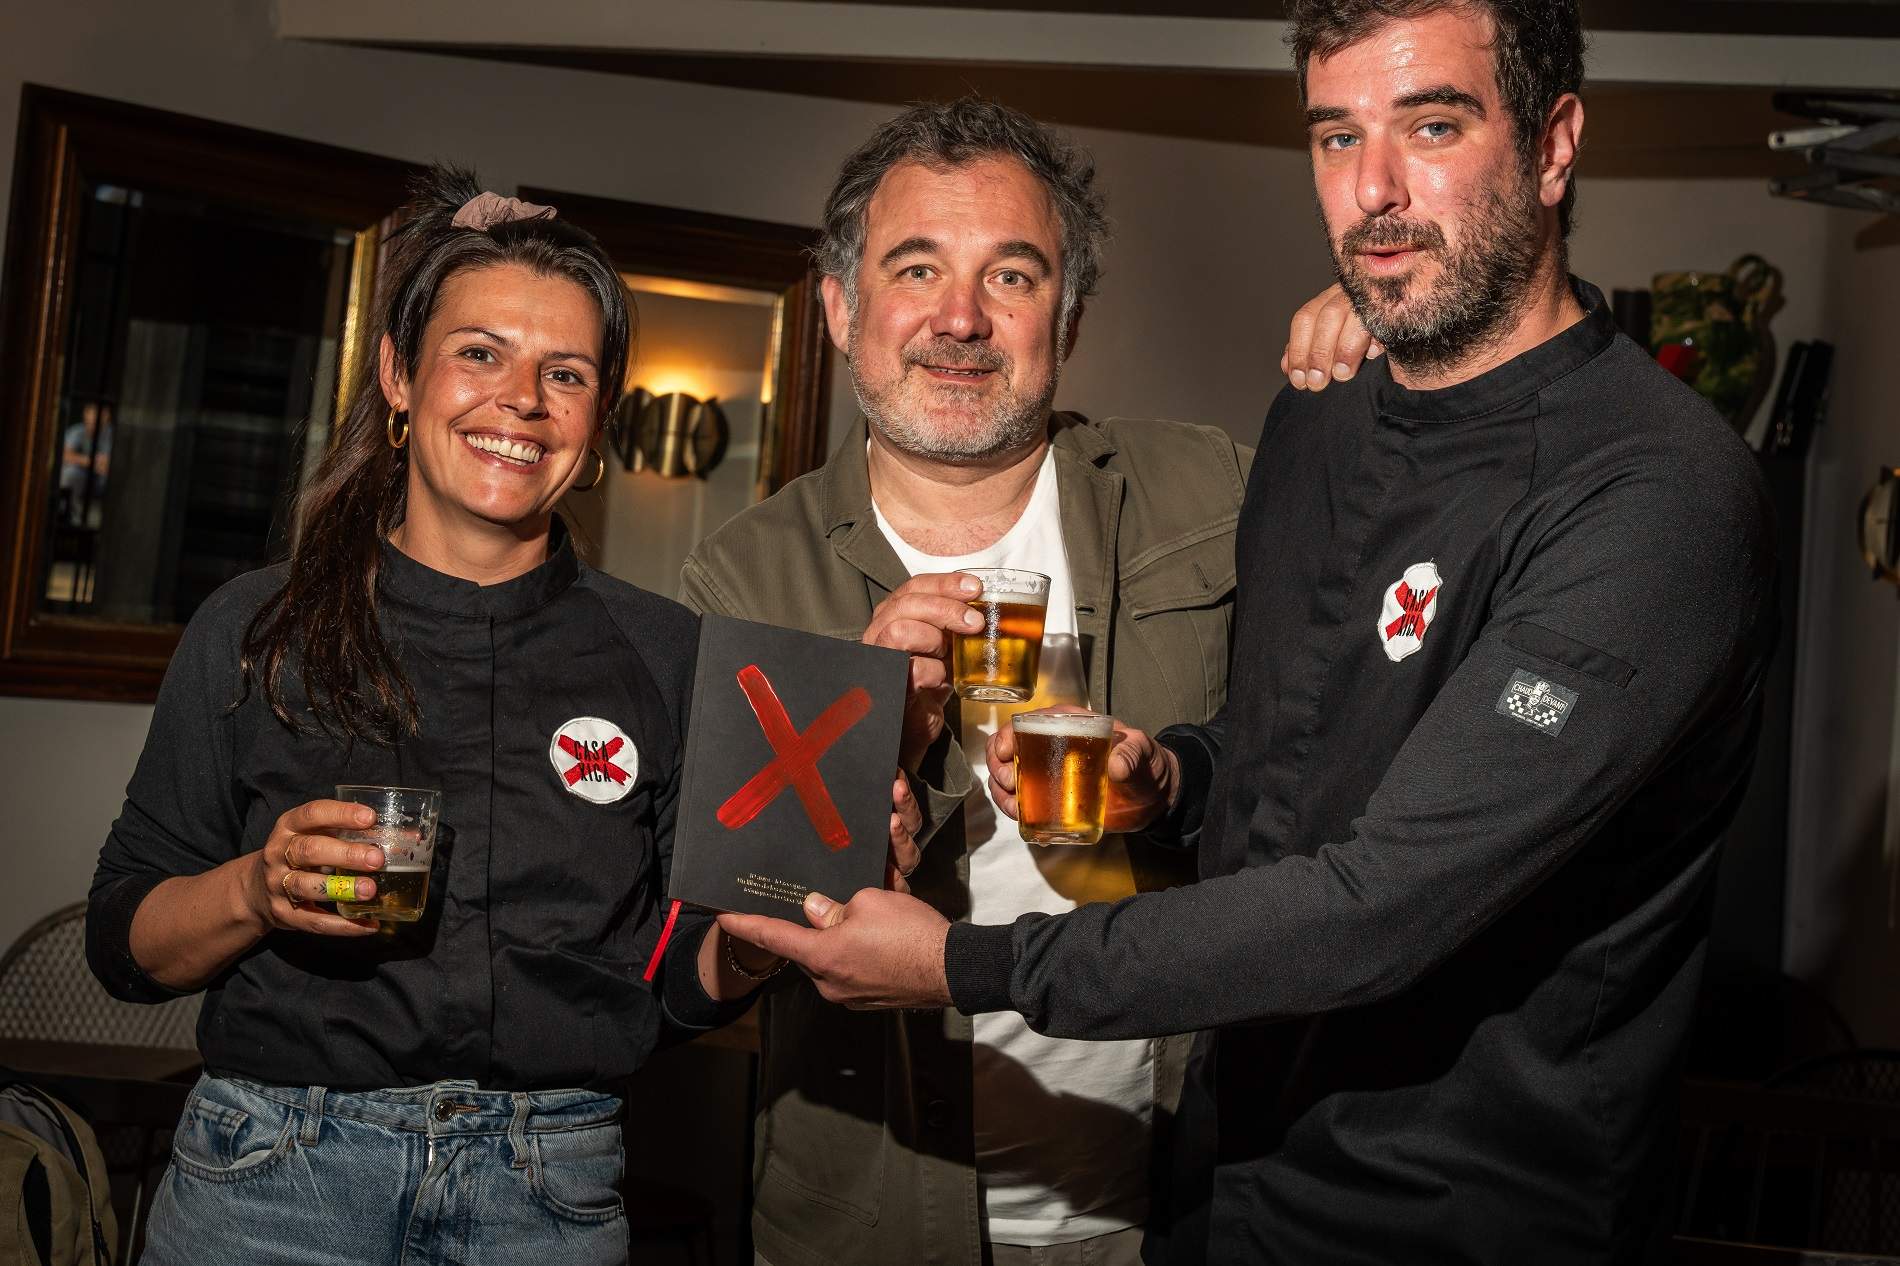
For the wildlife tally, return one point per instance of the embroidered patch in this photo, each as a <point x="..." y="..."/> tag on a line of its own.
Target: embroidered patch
<point x="594" y="759"/>
<point x="1537" y="702"/>
<point x="1411" y="604"/>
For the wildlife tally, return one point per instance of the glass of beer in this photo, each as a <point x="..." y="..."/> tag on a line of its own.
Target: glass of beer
<point x="1062" y="775"/>
<point x="405" y="831"/>
<point x="998" y="664"/>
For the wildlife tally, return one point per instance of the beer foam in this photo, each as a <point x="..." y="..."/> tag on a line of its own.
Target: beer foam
<point x="1065" y="724"/>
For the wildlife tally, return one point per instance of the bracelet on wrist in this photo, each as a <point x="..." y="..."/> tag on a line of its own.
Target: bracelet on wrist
<point x="732" y="961"/>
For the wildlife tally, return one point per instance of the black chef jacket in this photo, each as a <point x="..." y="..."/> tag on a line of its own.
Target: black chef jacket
<point x="1493" y="702"/>
<point x="545" y="903"/>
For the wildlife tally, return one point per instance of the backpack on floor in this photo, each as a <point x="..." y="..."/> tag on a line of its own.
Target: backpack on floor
<point x="55" y="1201"/>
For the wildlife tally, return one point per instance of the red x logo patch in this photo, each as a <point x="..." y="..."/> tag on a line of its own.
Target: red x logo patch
<point x="1411" y="610"/>
<point x="594" y="759"/>
<point x="1410" y="606"/>
<point x="794" y="760"/>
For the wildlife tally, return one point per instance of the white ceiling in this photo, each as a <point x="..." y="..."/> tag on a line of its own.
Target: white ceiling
<point x="917" y="33"/>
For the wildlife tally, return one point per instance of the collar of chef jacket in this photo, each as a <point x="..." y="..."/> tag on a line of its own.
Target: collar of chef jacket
<point x="1517" y="378"/>
<point x="410" y="582"/>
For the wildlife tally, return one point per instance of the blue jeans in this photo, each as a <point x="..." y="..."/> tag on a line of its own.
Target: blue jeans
<point x="426" y="1176"/>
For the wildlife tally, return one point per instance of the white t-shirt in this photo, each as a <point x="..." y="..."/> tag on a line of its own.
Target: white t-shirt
<point x="1061" y="1126"/>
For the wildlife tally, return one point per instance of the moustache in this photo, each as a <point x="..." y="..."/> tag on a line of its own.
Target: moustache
<point x="950" y="354"/>
<point x="1381" y="232"/>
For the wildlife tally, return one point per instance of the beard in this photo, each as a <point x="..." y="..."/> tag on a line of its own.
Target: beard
<point x="907" y="408"/>
<point x="1482" y="284"/>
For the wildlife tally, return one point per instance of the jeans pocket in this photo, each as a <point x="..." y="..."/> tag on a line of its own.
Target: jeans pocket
<point x="227" y="1134"/>
<point x="577" y="1173"/>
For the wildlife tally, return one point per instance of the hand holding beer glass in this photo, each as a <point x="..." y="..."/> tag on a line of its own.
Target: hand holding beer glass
<point x="405" y="831"/>
<point x="1062" y="775"/>
<point x="1045" y="769"/>
<point x="998" y="663"/>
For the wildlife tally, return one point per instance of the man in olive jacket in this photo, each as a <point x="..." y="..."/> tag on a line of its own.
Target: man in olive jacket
<point x="959" y="243"/>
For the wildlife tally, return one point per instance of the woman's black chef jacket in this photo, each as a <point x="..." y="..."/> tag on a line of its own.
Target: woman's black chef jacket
<point x="545" y="905"/>
<point x="1493" y="702"/>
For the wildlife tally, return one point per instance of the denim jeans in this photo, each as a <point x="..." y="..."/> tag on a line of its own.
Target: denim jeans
<point x="426" y="1176"/>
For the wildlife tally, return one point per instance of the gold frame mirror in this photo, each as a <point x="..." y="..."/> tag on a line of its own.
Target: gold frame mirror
<point x="155" y="450"/>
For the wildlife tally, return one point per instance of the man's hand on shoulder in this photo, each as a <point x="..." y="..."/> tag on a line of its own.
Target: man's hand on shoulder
<point x="1326" y="342"/>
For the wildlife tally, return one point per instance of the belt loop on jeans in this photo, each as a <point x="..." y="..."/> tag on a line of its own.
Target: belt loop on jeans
<point x="518" y="1131"/>
<point x="312" y="1116"/>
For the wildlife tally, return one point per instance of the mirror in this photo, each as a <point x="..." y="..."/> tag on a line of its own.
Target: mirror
<point x="181" y="300"/>
<point x="725" y="394"/>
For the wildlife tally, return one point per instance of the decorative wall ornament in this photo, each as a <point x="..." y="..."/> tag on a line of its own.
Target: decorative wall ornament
<point x="1711" y="331"/>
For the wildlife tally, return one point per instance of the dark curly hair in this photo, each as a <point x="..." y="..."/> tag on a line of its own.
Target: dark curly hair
<point x="946" y="134"/>
<point x="324" y="618"/>
<point x="1537" y="52"/>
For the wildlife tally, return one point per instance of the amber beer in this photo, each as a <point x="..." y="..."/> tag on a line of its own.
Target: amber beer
<point x="405" y="831"/>
<point x="999" y="664"/>
<point x="402" y="890"/>
<point x="1062" y="775"/>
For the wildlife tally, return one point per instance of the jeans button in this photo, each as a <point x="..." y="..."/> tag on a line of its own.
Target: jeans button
<point x="444" y="1110"/>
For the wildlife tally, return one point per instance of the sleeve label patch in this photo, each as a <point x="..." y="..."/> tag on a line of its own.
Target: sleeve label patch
<point x="1538" y="702"/>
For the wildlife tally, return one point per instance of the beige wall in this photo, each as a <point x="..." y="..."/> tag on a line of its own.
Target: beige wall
<point x="1842" y="858"/>
<point x="1215" y="245"/>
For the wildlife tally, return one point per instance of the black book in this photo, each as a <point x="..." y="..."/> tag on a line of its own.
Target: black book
<point x="791" y="748"/>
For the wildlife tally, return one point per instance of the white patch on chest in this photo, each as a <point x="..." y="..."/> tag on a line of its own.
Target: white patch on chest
<point x="594" y="759"/>
<point x="1410" y="606"/>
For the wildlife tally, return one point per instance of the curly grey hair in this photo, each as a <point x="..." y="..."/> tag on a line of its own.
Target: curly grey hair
<point x="951" y="134"/>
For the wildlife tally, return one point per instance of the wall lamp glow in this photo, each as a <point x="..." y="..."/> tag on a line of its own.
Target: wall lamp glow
<point x="674" y="435"/>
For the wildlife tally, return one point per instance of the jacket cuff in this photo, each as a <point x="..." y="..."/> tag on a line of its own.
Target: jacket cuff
<point x="687" y="1005"/>
<point x="978" y="961"/>
<point x="109" y="941"/>
<point x="941" y="784"/>
<point x="1180" y="827"/>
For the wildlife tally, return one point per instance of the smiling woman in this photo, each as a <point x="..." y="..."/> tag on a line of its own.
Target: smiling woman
<point x="516" y="332"/>
<point x="502" y="400"/>
<point x="434" y="630"/>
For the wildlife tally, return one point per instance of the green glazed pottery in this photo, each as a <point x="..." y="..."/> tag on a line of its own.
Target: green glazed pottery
<point x="1709" y="329"/>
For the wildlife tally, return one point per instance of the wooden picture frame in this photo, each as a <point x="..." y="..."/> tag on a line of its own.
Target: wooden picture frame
<point x="65" y="140"/>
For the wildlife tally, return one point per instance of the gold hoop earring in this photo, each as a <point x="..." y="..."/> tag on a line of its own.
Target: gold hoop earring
<point x="396" y="438"/>
<point x="600" y="472"/>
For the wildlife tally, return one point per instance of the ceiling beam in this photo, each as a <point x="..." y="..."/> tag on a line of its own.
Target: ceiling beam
<point x="848" y="31"/>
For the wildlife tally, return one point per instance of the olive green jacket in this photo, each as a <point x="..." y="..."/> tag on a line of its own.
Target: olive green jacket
<point x="865" y="1145"/>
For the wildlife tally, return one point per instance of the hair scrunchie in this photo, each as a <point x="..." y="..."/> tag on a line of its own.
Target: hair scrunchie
<point x="485" y="210"/>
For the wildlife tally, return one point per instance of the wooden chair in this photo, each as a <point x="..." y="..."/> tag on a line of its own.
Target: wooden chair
<point x="1793" y="1166"/>
<point x="1697" y="1252"/>
<point x="49" y="994"/>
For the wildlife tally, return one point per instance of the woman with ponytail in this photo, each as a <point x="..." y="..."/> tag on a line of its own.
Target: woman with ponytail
<point x="444" y="1093"/>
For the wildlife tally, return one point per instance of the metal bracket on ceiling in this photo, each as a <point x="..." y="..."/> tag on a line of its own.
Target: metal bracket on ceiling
<point x="1853" y="153"/>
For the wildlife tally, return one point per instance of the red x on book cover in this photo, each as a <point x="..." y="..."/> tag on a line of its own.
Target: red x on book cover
<point x="790" y="752"/>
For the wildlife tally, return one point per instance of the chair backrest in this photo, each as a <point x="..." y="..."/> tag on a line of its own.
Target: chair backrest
<point x="48" y="993"/>
<point x="1696" y="1252"/>
<point x="1791" y="1166"/>
<point x="1871" y="1074"/>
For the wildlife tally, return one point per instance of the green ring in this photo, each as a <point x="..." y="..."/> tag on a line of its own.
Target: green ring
<point x="339" y="887"/>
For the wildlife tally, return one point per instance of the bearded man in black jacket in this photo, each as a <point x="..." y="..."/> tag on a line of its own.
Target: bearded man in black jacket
<point x="1504" y="605"/>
